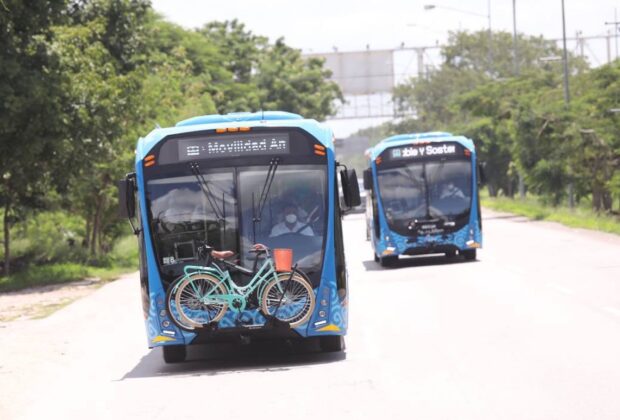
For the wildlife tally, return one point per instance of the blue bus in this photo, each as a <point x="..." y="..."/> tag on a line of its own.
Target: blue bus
<point x="232" y="181"/>
<point x="423" y="196"/>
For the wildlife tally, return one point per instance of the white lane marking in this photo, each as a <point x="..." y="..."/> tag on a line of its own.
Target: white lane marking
<point x="612" y="310"/>
<point x="562" y="289"/>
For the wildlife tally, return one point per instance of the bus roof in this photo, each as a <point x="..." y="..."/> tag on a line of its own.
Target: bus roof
<point x="236" y="119"/>
<point x="414" y="138"/>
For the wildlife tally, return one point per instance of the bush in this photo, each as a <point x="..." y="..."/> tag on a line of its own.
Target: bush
<point x="125" y="252"/>
<point x="43" y="275"/>
<point x="48" y="237"/>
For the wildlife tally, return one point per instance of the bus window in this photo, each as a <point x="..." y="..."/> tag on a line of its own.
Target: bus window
<point x="294" y="214"/>
<point x="450" y="186"/>
<point x="403" y="193"/>
<point x="184" y="214"/>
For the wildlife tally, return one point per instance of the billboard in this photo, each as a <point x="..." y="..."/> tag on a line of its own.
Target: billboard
<point x="361" y="72"/>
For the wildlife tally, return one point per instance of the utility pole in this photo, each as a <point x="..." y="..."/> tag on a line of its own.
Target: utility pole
<point x="608" y="39"/>
<point x="581" y="42"/>
<point x="515" y="58"/>
<point x="515" y="55"/>
<point x="615" y="23"/>
<point x="571" y="192"/>
<point x="420" y="55"/>
<point x="490" y="39"/>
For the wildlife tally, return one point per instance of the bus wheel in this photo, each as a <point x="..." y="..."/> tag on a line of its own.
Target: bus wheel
<point x="450" y="254"/>
<point x="469" y="254"/>
<point x="389" y="261"/>
<point x="174" y="354"/>
<point x="332" y="343"/>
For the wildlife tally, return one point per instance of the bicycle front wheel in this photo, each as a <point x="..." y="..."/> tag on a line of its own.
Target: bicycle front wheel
<point x="290" y="301"/>
<point x="196" y="301"/>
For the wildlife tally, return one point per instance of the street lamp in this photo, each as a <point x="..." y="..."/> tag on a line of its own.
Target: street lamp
<point x="565" y="56"/>
<point x="467" y="12"/>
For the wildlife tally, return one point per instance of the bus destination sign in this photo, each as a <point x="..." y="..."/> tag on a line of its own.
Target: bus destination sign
<point x="223" y="146"/>
<point x="425" y="151"/>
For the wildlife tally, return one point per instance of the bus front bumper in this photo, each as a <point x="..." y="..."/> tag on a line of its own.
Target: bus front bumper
<point x="272" y="329"/>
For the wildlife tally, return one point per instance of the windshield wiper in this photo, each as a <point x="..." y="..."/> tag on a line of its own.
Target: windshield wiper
<point x="204" y="186"/>
<point x="271" y="173"/>
<point x="428" y="195"/>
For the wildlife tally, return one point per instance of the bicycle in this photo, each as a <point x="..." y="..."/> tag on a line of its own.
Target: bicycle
<point x="201" y="297"/>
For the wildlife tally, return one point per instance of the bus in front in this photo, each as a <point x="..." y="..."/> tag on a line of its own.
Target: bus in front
<point x="424" y="197"/>
<point x="232" y="181"/>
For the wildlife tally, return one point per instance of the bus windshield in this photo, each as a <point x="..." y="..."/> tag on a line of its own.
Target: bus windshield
<point x="425" y="191"/>
<point x="184" y="214"/>
<point x="294" y="214"/>
<point x="221" y="207"/>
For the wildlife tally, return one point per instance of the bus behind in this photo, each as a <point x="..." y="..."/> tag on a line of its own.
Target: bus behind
<point x="424" y="197"/>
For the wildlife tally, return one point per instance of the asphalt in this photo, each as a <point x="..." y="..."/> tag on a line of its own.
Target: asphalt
<point x="531" y="330"/>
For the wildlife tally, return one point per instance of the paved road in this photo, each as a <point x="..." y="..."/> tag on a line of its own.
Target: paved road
<point x="530" y="331"/>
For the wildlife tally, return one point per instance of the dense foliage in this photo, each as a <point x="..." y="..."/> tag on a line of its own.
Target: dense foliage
<point x="81" y="80"/>
<point x="522" y="125"/>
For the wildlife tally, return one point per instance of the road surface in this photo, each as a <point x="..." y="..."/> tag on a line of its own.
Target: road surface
<point x="529" y="331"/>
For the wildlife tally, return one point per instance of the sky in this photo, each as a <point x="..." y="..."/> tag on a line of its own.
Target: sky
<point x="321" y="25"/>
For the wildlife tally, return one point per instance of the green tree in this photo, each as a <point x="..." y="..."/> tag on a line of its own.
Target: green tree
<point x="103" y="80"/>
<point x="291" y="83"/>
<point x="268" y="76"/>
<point x="466" y="65"/>
<point x="30" y="112"/>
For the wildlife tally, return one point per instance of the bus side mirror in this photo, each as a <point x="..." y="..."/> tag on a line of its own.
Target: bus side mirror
<point x="350" y="188"/>
<point x="126" y="197"/>
<point x="482" y="177"/>
<point x="368" y="179"/>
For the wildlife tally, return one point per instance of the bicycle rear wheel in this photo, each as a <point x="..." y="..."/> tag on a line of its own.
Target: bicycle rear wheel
<point x="290" y="301"/>
<point x="195" y="301"/>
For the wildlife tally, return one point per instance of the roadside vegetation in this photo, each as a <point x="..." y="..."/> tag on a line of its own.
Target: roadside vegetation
<point x="536" y="146"/>
<point x="536" y="208"/>
<point x="80" y="81"/>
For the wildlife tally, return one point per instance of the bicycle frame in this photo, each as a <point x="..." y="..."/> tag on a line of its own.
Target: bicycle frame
<point x="233" y="291"/>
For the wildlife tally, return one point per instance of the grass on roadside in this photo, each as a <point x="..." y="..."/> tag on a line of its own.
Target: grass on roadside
<point x="533" y="208"/>
<point x="58" y="273"/>
<point x="122" y="259"/>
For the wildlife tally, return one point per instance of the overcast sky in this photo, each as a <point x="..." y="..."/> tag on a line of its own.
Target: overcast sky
<point x="348" y="25"/>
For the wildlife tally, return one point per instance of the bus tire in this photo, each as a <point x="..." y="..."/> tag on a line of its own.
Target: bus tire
<point x="451" y="254"/>
<point x="331" y="343"/>
<point x="389" y="260"/>
<point x="174" y="354"/>
<point x="469" y="254"/>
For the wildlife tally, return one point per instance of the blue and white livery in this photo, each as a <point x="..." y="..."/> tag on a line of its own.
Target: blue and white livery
<point x="424" y="196"/>
<point x="229" y="181"/>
